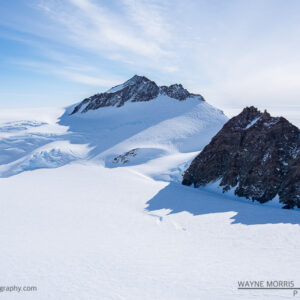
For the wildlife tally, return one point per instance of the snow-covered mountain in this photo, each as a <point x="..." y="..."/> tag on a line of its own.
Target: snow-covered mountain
<point x="138" y="114"/>
<point x="136" y="89"/>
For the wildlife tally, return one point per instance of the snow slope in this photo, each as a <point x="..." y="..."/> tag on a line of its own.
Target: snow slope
<point x="51" y="155"/>
<point x="93" y="208"/>
<point x="164" y="125"/>
<point x="83" y="231"/>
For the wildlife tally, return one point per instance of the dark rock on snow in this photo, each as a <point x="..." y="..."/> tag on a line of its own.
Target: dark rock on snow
<point x="254" y="153"/>
<point x="136" y="89"/>
<point x="125" y="158"/>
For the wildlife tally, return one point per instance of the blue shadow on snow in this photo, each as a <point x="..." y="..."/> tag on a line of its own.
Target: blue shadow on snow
<point x="179" y="198"/>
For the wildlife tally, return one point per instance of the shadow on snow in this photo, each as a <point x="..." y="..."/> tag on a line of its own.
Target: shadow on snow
<point x="179" y="198"/>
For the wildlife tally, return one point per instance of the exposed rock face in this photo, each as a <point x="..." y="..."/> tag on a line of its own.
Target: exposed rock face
<point x="176" y="91"/>
<point x="136" y="89"/>
<point x="125" y="158"/>
<point x="255" y="154"/>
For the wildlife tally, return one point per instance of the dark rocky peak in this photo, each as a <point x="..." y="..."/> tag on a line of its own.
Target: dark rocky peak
<point x="245" y="119"/>
<point x="176" y="91"/>
<point x="136" y="80"/>
<point x="136" y="89"/>
<point x="254" y="154"/>
<point x="252" y="117"/>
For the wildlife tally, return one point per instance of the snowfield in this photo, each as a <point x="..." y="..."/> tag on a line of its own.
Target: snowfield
<point x="79" y="224"/>
<point x="87" y="232"/>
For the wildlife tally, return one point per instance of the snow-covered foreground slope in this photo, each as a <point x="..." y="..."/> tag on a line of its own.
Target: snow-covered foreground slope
<point x="83" y="231"/>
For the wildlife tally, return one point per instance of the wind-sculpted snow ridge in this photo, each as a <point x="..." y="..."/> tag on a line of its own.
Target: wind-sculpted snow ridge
<point x="136" y="89"/>
<point x="19" y="126"/>
<point x="51" y="155"/>
<point x="256" y="155"/>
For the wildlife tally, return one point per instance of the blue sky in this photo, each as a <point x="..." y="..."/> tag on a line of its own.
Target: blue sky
<point x="235" y="52"/>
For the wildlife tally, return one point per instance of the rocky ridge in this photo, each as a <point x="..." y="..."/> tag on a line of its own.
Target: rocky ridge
<point x="136" y="89"/>
<point x="256" y="155"/>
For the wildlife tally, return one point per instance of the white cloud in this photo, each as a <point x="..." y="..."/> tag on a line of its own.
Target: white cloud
<point x="91" y="26"/>
<point x="72" y="73"/>
<point x="151" y="17"/>
<point x="87" y="79"/>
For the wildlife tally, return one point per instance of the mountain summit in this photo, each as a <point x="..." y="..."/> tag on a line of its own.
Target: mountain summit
<point x="136" y="89"/>
<point x="256" y="155"/>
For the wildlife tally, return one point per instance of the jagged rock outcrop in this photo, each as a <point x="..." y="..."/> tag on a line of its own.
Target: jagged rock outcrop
<point x="256" y="155"/>
<point x="136" y="89"/>
<point x="176" y="91"/>
<point x="125" y="158"/>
